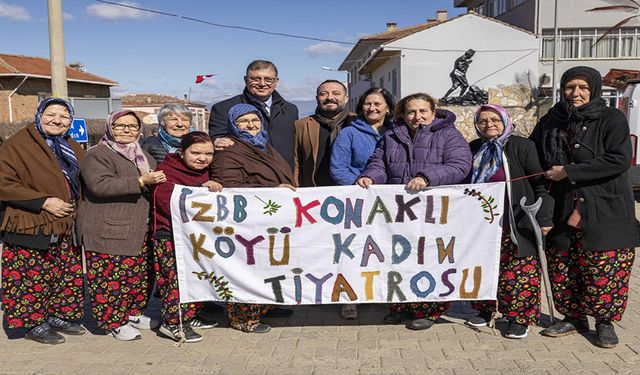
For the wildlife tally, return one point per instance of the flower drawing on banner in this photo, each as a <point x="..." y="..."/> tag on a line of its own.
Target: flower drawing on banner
<point x="270" y="207"/>
<point x="488" y="204"/>
<point x="221" y="286"/>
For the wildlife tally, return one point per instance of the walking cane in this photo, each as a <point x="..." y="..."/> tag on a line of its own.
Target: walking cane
<point x="531" y="212"/>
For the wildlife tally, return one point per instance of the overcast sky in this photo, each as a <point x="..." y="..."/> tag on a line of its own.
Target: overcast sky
<point x="152" y="53"/>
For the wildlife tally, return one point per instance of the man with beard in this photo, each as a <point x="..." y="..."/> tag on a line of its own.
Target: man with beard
<point x="315" y="135"/>
<point x="261" y="80"/>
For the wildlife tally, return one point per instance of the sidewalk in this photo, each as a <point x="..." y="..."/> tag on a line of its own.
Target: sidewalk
<point x="316" y="341"/>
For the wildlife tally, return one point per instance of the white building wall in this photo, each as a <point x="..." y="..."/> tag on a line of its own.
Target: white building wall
<point x="573" y="14"/>
<point x="385" y="73"/>
<point x="504" y="61"/>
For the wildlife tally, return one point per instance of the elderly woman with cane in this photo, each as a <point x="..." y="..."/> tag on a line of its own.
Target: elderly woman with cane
<point x="42" y="281"/>
<point x="586" y="150"/>
<point x="501" y="156"/>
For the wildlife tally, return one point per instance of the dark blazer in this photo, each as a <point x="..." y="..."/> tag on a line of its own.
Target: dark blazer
<point x="598" y="178"/>
<point x="279" y="124"/>
<point x="114" y="214"/>
<point x="522" y="159"/>
<point x="153" y="146"/>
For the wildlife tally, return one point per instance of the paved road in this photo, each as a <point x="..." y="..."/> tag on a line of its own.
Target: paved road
<point x="316" y="341"/>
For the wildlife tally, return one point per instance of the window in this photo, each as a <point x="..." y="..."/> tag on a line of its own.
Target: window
<point x="581" y="44"/>
<point x="381" y="82"/>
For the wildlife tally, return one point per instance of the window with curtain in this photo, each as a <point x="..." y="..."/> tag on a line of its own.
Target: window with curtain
<point x="581" y="44"/>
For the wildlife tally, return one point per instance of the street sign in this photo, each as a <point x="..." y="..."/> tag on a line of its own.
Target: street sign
<point x="78" y="130"/>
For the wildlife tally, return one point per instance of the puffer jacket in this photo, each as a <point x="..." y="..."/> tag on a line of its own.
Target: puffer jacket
<point x="153" y="146"/>
<point x="438" y="152"/>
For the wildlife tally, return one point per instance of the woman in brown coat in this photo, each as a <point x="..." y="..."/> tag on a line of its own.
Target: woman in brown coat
<point x="113" y="220"/>
<point x="249" y="162"/>
<point x="42" y="283"/>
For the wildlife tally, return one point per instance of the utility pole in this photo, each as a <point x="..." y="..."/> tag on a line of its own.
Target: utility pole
<point x="556" y="43"/>
<point x="56" y="50"/>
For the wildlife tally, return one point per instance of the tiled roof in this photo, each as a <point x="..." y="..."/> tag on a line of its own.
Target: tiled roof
<point x="398" y="33"/>
<point x="41" y="67"/>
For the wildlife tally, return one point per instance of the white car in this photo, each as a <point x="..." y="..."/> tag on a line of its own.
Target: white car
<point x="630" y="105"/>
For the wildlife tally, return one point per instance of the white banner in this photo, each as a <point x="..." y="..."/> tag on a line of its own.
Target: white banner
<point x="338" y="244"/>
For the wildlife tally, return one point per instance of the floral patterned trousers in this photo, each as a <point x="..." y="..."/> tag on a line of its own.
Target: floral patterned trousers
<point x="37" y="284"/>
<point x="518" y="286"/>
<point x="245" y="317"/>
<point x="119" y="286"/>
<point x="167" y="281"/>
<point x="594" y="283"/>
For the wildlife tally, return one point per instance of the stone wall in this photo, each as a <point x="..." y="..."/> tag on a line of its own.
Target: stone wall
<point x="516" y="99"/>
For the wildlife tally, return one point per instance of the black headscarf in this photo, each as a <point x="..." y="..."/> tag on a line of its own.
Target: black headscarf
<point x="564" y="121"/>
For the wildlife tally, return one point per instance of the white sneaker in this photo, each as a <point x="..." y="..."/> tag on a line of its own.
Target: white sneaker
<point x="200" y="323"/>
<point x="349" y="311"/>
<point x="143" y="322"/>
<point x="126" y="333"/>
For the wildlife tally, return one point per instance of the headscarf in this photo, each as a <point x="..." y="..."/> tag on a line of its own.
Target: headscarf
<point x="488" y="160"/>
<point x="259" y="140"/>
<point x="60" y="146"/>
<point x="566" y="119"/>
<point x="131" y="151"/>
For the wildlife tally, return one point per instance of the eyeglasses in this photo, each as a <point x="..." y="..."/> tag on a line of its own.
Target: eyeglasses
<point x="493" y="121"/>
<point x="130" y="127"/>
<point x="245" y="122"/>
<point x="267" y="80"/>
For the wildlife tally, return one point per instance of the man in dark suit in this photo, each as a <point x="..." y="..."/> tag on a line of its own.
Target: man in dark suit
<point x="260" y="81"/>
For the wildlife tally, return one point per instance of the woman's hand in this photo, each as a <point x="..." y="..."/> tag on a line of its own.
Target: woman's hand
<point x="287" y="186"/>
<point x="556" y="173"/>
<point x="213" y="186"/>
<point x="545" y="230"/>
<point x="222" y="143"/>
<point x="416" y="184"/>
<point x="153" y="178"/>
<point x="364" y="182"/>
<point x="57" y="207"/>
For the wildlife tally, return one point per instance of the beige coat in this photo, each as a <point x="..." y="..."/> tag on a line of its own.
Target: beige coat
<point x="114" y="213"/>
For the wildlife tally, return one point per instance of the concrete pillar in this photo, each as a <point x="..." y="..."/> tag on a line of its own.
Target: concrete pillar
<point x="56" y="48"/>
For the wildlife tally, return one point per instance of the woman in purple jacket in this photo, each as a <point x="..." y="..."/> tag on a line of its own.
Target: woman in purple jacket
<point x="424" y="148"/>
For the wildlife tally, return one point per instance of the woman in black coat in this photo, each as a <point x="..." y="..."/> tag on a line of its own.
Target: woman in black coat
<point x="586" y="149"/>
<point x="501" y="156"/>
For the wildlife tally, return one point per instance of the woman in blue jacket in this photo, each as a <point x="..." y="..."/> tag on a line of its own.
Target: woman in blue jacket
<point x="355" y="144"/>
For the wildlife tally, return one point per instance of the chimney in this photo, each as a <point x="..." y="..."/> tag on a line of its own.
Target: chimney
<point x="392" y="26"/>
<point x="441" y="15"/>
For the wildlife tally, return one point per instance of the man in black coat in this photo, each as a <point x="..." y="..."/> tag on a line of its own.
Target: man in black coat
<point x="260" y="81"/>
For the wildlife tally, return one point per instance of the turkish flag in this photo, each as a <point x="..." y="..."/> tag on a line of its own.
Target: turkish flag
<point x="201" y="78"/>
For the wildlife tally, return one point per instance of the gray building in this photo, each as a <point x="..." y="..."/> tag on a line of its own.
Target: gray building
<point x="578" y="31"/>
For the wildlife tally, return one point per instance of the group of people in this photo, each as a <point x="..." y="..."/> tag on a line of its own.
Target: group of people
<point x="113" y="202"/>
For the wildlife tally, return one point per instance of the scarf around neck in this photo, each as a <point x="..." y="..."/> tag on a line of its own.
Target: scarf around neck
<point x="168" y="141"/>
<point x="488" y="160"/>
<point x="334" y="124"/>
<point x="60" y="145"/>
<point x="131" y="151"/>
<point x="564" y="120"/>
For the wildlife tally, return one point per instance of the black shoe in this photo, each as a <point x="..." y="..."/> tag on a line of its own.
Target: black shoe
<point x="566" y="327"/>
<point x="44" y="335"/>
<point x="211" y="307"/>
<point x="278" y="312"/>
<point x="65" y="326"/>
<point x="517" y="331"/>
<point x="420" y="324"/>
<point x="172" y="331"/>
<point x="261" y="328"/>
<point x="606" y="335"/>
<point x="396" y="317"/>
<point x="480" y="320"/>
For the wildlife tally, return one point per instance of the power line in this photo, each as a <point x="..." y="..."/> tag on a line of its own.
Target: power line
<point x="294" y="36"/>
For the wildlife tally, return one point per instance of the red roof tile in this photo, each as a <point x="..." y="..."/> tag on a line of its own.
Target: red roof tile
<point x="38" y="66"/>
